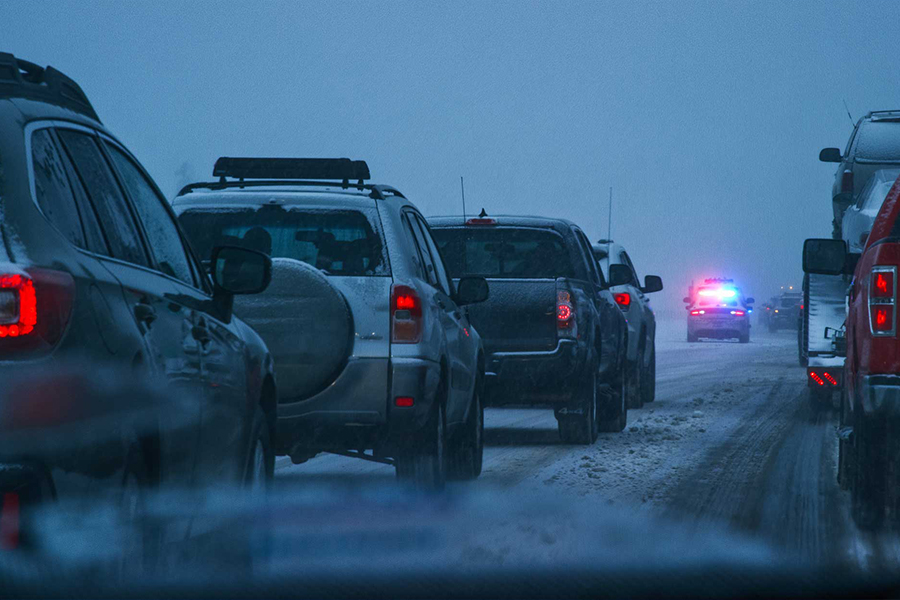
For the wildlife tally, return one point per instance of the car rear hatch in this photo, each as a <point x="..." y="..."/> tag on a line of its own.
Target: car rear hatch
<point x="522" y="265"/>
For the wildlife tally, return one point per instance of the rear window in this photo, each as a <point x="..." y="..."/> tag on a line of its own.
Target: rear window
<point x="879" y="140"/>
<point x="339" y="242"/>
<point x="504" y="252"/>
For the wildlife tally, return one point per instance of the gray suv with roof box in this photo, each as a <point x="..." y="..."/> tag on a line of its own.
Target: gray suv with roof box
<point x="371" y="339"/>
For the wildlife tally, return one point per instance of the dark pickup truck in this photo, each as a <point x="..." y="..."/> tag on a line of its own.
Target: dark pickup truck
<point x="551" y="328"/>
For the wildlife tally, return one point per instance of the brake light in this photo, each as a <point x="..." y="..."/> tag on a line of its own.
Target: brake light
<point x="406" y="315"/>
<point x="623" y="300"/>
<point x="35" y="306"/>
<point x="481" y="221"/>
<point x="739" y="313"/>
<point x="404" y="401"/>
<point x="823" y="378"/>
<point x="566" y="325"/>
<point x="847" y="181"/>
<point x="698" y="312"/>
<point x="882" y="301"/>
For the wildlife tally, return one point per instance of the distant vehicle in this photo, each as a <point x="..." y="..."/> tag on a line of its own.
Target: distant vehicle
<point x="371" y="339"/>
<point x="718" y="310"/>
<point x="94" y="267"/>
<point x="870" y="402"/>
<point x="552" y="331"/>
<point x="783" y="311"/>
<point x="873" y="145"/>
<point x="635" y="305"/>
<point x="860" y="216"/>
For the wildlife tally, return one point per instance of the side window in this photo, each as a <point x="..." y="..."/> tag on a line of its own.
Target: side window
<point x="440" y="272"/>
<point x="588" y="252"/>
<point x="52" y="190"/>
<point x="105" y="195"/>
<point x="162" y="233"/>
<point x="417" y="257"/>
<point x="427" y="264"/>
<point x="627" y="260"/>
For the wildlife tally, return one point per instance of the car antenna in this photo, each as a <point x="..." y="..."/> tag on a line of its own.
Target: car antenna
<point x="852" y="122"/>
<point x="482" y="214"/>
<point x="609" y="223"/>
<point x="462" y="189"/>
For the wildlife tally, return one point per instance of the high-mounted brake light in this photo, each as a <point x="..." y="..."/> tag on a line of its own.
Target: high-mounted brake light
<point x="35" y="305"/>
<point x="883" y="301"/>
<point x="406" y="315"/>
<point x="566" y="325"/>
<point x="623" y="300"/>
<point x="481" y="221"/>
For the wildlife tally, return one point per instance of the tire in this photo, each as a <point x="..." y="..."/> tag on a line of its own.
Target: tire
<point x="636" y="376"/>
<point x="423" y="463"/>
<point x="868" y="493"/>
<point x="614" y="415"/>
<point x="582" y="428"/>
<point x="691" y="338"/>
<point x="466" y="455"/>
<point x="744" y="338"/>
<point x="845" y="449"/>
<point x="772" y="328"/>
<point x="140" y="553"/>
<point x="648" y="382"/>
<point x="259" y="466"/>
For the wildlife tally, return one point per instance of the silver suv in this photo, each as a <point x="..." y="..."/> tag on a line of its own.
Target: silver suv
<point x="635" y="305"/>
<point x="372" y="346"/>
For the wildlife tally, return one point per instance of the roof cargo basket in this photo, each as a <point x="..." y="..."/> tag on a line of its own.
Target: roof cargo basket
<point x="22" y="79"/>
<point x="338" y="169"/>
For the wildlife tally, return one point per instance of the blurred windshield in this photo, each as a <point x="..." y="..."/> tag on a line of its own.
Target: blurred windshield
<point x="503" y="252"/>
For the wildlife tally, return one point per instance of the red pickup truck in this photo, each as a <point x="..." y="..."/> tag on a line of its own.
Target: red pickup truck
<point x="870" y="404"/>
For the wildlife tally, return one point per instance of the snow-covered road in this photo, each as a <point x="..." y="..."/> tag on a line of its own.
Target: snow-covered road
<point x="729" y="442"/>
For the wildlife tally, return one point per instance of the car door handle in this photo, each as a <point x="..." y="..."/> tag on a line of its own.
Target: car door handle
<point x="144" y="313"/>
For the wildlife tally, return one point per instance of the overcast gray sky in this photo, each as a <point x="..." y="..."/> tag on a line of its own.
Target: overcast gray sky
<point x="705" y="118"/>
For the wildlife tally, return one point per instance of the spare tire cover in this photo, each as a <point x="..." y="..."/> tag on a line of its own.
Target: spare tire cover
<point x="305" y="322"/>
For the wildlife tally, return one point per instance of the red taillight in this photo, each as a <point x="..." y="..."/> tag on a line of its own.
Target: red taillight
<point x="847" y="181"/>
<point x="698" y="312"/>
<point x="738" y="313"/>
<point x="883" y="300"/>
<point x="406" y="315"/>
<point x="404" y="401"/>
<point x="565" y="314"/>
<point x="829" y="378"/>
<point x="816" y="378"/>
<point x="9" y="521"/>
<point x="35" y="306"/>
<point x="481" y="221"/>
<point x="623" y="300"/>
<point x="822" y="378"/>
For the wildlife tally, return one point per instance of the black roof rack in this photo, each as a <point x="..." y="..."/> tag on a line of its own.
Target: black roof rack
<point x="22" y="79"/>
<point x="341" y="169"/>
<point x="376" y="191"/>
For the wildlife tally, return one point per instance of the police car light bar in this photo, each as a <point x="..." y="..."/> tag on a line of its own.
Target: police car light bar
<point x="339" y="169"/>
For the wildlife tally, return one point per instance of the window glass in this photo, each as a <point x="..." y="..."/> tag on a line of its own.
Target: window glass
<point x="504" y="252"/>
<point x="339" y="242"/>
<point x="440" y="272"/>
<point x="588" y="253"/>
<point x="162" y="232"/>
<point x="417" y="256"/>
<point x="52" y="189"/>
<point x="430" y="275"/>
<point x="105" y="195"/>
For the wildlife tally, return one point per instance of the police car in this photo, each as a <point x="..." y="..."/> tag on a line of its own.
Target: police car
<point x="717" y="309"/>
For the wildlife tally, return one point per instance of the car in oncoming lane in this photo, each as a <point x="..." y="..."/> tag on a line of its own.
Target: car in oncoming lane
<point x="371" y="339"/>
<point x="553" y="334"/>
<point x="94" y="270"/>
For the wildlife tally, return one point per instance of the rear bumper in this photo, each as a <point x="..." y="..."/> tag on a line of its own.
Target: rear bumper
<point x="537" y="377"/>
<point x="718" y="328"/>
<point x="880" y="395"/>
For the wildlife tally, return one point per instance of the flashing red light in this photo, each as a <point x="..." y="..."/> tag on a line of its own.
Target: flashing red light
<point x="816" y="378"/>
<point x="406" y="315"/>
<point x="9" y="521"/>
<point x="883" y="284"/>
<point x="830" y="379"/>
<point x="481" y="221"/>
<point x="404" y="401"/>
<point x="883" y="318"/>
<point x="623" y="299"/>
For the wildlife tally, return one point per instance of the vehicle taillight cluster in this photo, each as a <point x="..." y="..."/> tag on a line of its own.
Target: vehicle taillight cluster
<point x="698" y="312"/>
<point x="35" y="306"/>
<point x="822" y="378"/>
<point x="406" y="315"/>
<point x="565" y="314"/>
<point x="882" y="301"/>
<point x="18" y="305"/>
<point x="623" y="300"/>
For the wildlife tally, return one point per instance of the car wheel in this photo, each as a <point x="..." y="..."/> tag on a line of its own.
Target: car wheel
<point x="142" y="542"/>
<point x="745" y="338"/>
<point x="581" y="428"/>
<point x="868" y="494"/>
<point x="466" y="457"/>
<point x="422" y="463"/>
<point x="259" y="469"/>
<point x="635" y="398"/>
<point x="615" y="415"/>
<point x="691" y="338"/>
<point x="648" y="382"/>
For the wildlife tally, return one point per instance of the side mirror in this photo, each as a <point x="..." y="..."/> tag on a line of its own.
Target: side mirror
<point x="652" y="283"/>
<point x="471" y="290"/>
<point x="619" y="275"/>
<point x="240" y="270"/>
<point x="749" y="300"/>
<point x="832" y="155"/>
<point x="686" y="300"/>
<point x="824" y="256"/>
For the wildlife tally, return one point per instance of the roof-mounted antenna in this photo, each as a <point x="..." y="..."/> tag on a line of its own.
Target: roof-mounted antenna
<point x="462" y="189"/>
<point x="609" y="222"/>
<point x="482" y="214"/>
<point x="852" y="122"/>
